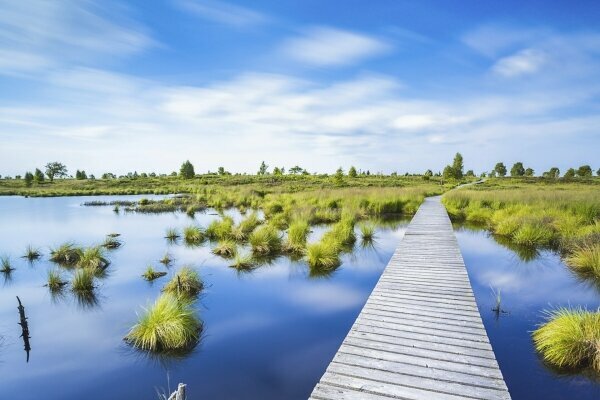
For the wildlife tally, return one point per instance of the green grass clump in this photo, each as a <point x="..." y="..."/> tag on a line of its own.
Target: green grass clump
<point x="265" y="240"/>
<point x="172" y="234"/>
<point x="533" y="234"/>
<point x="193" y="235"/>
<point x="93" y="258"/>
<point x="243" y="262"/>
<point x="225" y="248"/>
<point x="296" y="236"/>
<point x="83" y="280"/>
<point x="66" y="254"/>
<point x="55" y="282"/>
<point x="111" y="242"/>
<point x="170" y="324"/>
<point x="342" y="232"/>
<point x="367" y="232"/>
<point x="245" y="227"/>
<point x="570" y="339"/>
<point x="166" y="260"/>
<point x="220" y="229"/>
<point x="5" y="265"/>
<point x="585" y="259"/>
<point x="32" y="254"/>
<point x="323" y="255"/>
<point x="186" y="283"/>
<point x="151" y="274"/>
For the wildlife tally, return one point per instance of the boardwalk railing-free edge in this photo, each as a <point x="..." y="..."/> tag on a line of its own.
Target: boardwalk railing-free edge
<point x="420" y="334"/>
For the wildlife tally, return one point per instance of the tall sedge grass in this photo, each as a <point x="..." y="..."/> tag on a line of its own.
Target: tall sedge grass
<point x="166" y="260"/>
<point x="245" y="227"/>
<point x="93" y="258"/>
<point x="323" y="255"/>
<point x="585" y="259"/>
<point x="112" y="242"/>
<point x="367" y="232"/>
<point x="570" y="339"/>
<point x="220" y="229"/>
<point x="172" y="234"/>
<point x="54" y="280"/>
<point x="5" y="265"/>
<point x="150" y="274"/>
<point x="170" y="324"/>
<point x="83" y="280"/>
<point x="243" y="262"/>
<point x="67" y="254"/>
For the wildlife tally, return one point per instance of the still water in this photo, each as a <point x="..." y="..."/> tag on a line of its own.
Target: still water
<point x="268" y="334"/>
<point x="529" y="284"/>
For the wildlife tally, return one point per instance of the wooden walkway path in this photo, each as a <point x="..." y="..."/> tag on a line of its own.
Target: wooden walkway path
<point x="420" y="335"/>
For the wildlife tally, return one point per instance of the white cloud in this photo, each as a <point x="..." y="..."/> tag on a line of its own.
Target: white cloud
<point x="323" y="46"/>
<point x="223" y="12"/>
<point x="38" y="34"/>
<point x="524" y="62"/>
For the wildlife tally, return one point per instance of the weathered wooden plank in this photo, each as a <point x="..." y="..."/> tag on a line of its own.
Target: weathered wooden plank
<point x="420" y="334"/>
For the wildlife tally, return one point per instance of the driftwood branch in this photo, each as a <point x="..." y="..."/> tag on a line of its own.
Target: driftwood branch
<point x="179" y="394"/>
<point x="24" y="328"/>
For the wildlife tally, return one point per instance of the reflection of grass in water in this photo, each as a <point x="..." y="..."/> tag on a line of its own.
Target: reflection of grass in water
<point x="525" y="253"/>
<point x="169" y="326"/>
<point x="86" y="299"/>
<point x="6" y="265"/>
<point x="83" y="280"/>
<point x="570" y="339"/>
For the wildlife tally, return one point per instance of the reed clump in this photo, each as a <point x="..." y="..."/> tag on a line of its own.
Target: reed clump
<point x="245" y="227"/>
<point x="220" y="229"/>
<point x="93" y="258"/>
<point x="172" y="234"/>
<point x="243" y="262"/>
<point x="367" y="232"/>
<point x="55" y="281"/>
<point x="570" y="339"/>
<point x="170" y="324"/>
<point x="166" y="260"/>
<point x="111" y="242"/>
<point x="83" y="280"/>
<point x="323" y="255"/>
<point x="5" y="265"/>
<point x="186" y="283"/>
<point x="585" y="258"/>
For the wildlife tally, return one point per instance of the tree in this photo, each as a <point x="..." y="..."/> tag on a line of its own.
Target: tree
<point x="448" y="172"/>
<point x="277" y="171"/>
<point x="295" y="170"/>
<point x="598" y="172"/>
<point x="584" y="171"/>
<point x="570" y="173"/>
<point x="339" y="176"/>
<point x="38" y="176"/>
<point x="428" y="173"/>
<point x="55" y="170"/>
<point x="28" y="178"/>
<point x="109" y="175"/>
<point x="500" y="169"/>
<point x="517" y="169"/>
<point x="352" y="172"/>
<point x="262" y="170"/>
<point x="221" y="171"/>
<point x="457" y="166"/>
<point x="552" y="173"/>
<point x="80" y="175"/>
<point x="529" y="172"/>
<point x="470" y="173"/>
<point x="187" y="170"/>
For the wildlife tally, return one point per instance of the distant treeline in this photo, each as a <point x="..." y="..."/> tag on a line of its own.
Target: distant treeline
<point x="455" y="171"/>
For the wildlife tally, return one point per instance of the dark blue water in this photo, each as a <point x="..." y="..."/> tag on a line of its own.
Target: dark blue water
<point x="269" y="334"/>
<point x="528" y="284"/>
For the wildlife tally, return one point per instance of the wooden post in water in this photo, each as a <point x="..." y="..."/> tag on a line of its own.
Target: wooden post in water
<point x="24" y="328"/>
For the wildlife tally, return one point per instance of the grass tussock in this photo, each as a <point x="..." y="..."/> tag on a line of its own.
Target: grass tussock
<point x="170" y="324"/>
<point x="193" y="235"/>
<point x="93" y="258"/>
<point x="67" y="254"/>
<point x="186" y="283"/>
<point x="570" y="339"/>
<point x="265" y="240"/>
<point x="367" y="232"/>
<point x="225" y="248"/>
<point x="83" y="280"/>
<point x="111" y="242"/>
<point x="32" y="253"/>
<point x="585" y="259"/>
<point x="6" y="265"/>
<point x="150" y="274"/>
<point x="296" y="237"/>
<point x="323" y="256"/>
<point x="242" y="231"/>
<point x="220" y="229"/>
<point x="172" y="234"/>
<point x="166" y="260"/>
<point x="243" y="262"/>
<point x="55" y="281"/>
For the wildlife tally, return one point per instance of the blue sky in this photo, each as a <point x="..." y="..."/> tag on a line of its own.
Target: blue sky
<point x="384" y="85"/>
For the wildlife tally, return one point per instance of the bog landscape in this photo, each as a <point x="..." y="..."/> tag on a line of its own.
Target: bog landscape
<point x="207" y="200"/>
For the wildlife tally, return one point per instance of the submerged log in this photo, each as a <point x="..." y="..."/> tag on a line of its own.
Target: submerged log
<point x="24" y="328"/>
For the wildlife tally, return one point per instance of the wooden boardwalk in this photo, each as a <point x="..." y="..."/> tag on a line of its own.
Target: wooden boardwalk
<point x="420" y="335"/>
